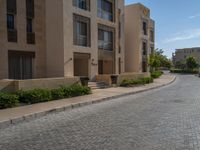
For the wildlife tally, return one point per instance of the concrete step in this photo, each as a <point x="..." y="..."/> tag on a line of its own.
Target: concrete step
<point x="98" y="85"/>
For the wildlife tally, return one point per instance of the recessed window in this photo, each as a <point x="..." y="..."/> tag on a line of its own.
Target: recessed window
<point x="152" y="36"/>
<point x="82" y="4"/>
<point x="106" y="38"/>
<point x="81" y="31"/>
<point x="144" y="27"/>
<point x="144" y="48"/>
<point x="106" y="9"/>
<point x="10" y="22"/>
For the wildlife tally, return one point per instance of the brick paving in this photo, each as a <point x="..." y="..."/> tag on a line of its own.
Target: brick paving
<point x="162" y="119"/>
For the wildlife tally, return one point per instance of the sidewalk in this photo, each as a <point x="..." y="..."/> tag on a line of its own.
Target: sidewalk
<point x="19" y="114"/>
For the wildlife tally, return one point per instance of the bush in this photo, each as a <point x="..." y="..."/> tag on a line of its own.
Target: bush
<point x="156" y="74"/>
<point x="8" y="100"/>
<point x="44" y="95"/>
<point x="140" y="81"/>
<point x="57" y="94"/>
<point x="189" y="71"/>
<point x="75" y="90"/>
<point x="34" y="96"/>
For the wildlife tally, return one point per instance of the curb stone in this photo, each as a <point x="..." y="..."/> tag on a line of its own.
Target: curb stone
<point x="29" y="117"/>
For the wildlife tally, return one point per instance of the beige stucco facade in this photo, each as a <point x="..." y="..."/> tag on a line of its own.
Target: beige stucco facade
<point x="181" y="54"/>
<point x="39" y="48"/>
<point x="55" y="54"/>
<point x="136" y="59"/>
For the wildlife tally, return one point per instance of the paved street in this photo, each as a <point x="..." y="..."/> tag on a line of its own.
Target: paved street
<point x="163" y="119"/>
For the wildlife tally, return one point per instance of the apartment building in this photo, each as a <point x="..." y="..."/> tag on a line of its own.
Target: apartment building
<point x="182" y="54"/>
<point x="59" y="38"/>
<point x="139" y="38"/>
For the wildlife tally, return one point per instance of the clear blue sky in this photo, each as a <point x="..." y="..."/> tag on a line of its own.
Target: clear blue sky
<point x="177" y="23"/>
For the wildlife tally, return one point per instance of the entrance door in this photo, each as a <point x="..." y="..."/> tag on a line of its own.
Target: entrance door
<point x="81" y="64"/>
<point x="106" y="67"/>
<point x="20" y="65"/>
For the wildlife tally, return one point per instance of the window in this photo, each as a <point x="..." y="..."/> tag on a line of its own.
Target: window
<point x="105" y="39"/>
<point x="81" y="31"/>
<point x="144" y="48"/>
<point x="152" y="36"/>
<point x="144" y="24"/>
<point x="29" y="21"/>
<point x="20" y="64"/>
<point x="11" y="12"/>
<point x="106" y="9"/>
<point x="10" y="22"/>
<point x="11" y="6"/>
<point x="82" y="4"/>
<point x="30" y="8"/>
<point x="29" y="25"/>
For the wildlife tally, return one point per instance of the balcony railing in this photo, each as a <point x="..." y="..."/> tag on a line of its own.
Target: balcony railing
<point x="82" y="4"/>
<point x="105" y="15"/>
<point x="81" y="40"/>
<point x="12" y="35"/>
<point x="105" y="45"/>
<point x="30" y="38"/>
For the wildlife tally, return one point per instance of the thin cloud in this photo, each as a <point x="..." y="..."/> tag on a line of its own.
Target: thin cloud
<point x="194" y="16"/>
<point x="185" y="35"/>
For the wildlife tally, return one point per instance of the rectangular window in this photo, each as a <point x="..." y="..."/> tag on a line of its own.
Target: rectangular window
<point x="11" y="6"/>
<point x="11" y="12"/>
<point x="10" y="22"/>
<point x="82" y="4"/>
<point x="144" y="26"/>
<point x="106" y="9"/>
<point x="29" y="25"/>
<point x="30" y="14"/>
<point x="152" y="36"/>
<point x="144" y="48"/>
<point x="20" y="65"/>
<point x="81" y="31"/>
<point x="105" y="39"/>
<point x="30" y="8"/>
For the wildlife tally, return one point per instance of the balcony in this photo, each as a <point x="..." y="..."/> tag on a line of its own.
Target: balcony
<point x="81" y="40"/>
<point x="30" y="38"/>
<point x="12" y="35"/>
<point x="11" y="7"/>
<point x="105" y="15"/>
<point x="108" y="46"/>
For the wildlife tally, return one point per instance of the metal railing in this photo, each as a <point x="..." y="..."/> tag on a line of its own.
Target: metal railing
<point x="105" y="45"/>
<point x="105" y="15"/>
<point x="81" y="40"/>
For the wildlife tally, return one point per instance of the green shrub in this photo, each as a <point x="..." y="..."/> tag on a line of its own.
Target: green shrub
<point x="189" y="71"/>
<point x="75" y="90"/>
<point x="140" y="81"/>
<point x="57" y="94"/>
<point x="8" y="100"/>
<point x="34" y="96"/>
<point x="156" y="74"/>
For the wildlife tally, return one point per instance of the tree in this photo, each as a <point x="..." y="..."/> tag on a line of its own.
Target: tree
<point x="191" y="63"/>
<point x="158" y="59"/>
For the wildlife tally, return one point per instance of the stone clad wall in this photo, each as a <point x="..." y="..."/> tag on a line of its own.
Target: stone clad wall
<point x="50" y="83"/>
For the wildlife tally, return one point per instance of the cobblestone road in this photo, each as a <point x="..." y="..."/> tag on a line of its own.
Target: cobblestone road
<point x="164" y="119"/>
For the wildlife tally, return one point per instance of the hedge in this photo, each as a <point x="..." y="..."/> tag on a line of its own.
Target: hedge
<point x="8" y="100"/>
<point x="41" y="95"/>
<point x="140" y="81"/>
<point x="184" y="71"/>
<point x="156" y="74"/>
<point x="44" y="95"/>
<point x="34" y="96"/>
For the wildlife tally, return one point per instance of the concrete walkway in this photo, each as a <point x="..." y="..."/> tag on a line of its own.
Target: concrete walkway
<point x="19" y="114"/>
